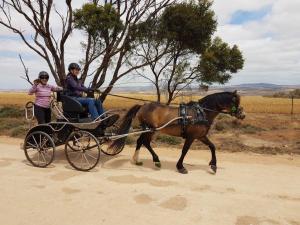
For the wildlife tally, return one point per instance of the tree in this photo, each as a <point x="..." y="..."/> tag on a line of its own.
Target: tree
<point x="41" y="39"/>
<point x="125" y="37"/>
<point x="180" y="42"/>
<point x="111" y="36"/>
<point x="108" y="28"/>
<point x="218" y="62"/>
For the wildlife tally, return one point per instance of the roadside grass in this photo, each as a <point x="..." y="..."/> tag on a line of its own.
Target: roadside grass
<point x="225" y="123"/>
<point x="15" y="127"/>
<point x="167" y="139"/>
<point x="11" y="112"/>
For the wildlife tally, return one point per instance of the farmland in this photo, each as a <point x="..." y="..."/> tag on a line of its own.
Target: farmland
<point x="268" y="127"/>
<point x="251" y="104"/>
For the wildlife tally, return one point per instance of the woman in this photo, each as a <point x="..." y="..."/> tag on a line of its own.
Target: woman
<point x="42" y="91"/>
<point x="75" y="89"/>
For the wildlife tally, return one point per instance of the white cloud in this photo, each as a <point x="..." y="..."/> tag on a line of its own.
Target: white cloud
<point x="270" y="46"/>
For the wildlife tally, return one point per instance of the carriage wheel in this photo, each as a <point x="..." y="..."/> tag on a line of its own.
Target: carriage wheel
<point x="82" y="150"/>
<point x="39" y="149"/>
<point x="105" y="142"/>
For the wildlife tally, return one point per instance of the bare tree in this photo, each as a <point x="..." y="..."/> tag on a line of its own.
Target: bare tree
<point x="170" y="70"/>
<point x="43" y="41"/>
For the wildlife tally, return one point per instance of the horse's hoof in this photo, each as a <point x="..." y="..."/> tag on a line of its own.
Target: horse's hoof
<point x="211" y="163"/>
<point x="182" y="170"/>
<point x="157" y="164"/>
<point x="213" y="169"/>
<point x="139" y="163"/>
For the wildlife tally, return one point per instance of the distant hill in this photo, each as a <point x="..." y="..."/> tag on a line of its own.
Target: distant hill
<point x="244" y="89"/>
<point x="256" y="88"/>
<point x="264" y="86"/>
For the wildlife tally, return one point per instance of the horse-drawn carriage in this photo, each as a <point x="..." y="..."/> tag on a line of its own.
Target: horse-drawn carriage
<point x="83" y="138"/>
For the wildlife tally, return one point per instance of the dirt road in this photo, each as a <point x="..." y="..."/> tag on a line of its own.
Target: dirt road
<point x="248" y="189"/>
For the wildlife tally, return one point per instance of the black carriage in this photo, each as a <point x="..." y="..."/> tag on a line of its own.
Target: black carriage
<point x="82" y="137"/>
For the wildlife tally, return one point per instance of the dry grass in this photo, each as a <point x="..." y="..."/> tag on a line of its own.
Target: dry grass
<point x="14" y="98"/>
<point x="267" y="123"/>
<point x="259" y="104"/>
<point x="251" y="104"/>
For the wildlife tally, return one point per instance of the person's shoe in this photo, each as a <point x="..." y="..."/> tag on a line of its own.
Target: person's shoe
<point x="110" y="121"/>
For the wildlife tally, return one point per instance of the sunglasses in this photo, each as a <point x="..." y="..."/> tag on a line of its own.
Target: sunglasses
<point x="44" y="77"/>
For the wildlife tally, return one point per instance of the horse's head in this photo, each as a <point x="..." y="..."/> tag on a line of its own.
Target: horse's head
<point x="232" y="105"/>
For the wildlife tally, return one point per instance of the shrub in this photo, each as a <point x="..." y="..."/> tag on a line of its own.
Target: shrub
<point x="130" y="140"/>
<point x="171" y="140"/>
<point x="19" y="131"/>
<point x="11" y="112"/>
<point x="230" y="124"/>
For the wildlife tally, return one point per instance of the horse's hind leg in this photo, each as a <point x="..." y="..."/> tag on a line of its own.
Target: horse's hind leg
<point x="213" y="161"/>
<point x="135" y="158"/>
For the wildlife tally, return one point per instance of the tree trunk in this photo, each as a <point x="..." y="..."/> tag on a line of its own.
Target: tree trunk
<point x="158" y="98"/>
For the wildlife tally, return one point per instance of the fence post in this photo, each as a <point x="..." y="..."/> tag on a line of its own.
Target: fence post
<point x="292" y="110"/>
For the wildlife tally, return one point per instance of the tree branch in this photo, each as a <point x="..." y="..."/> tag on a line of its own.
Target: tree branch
<point x="26" y="71"/>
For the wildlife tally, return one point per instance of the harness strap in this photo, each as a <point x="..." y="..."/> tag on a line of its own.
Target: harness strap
<point x="184" y="121"/>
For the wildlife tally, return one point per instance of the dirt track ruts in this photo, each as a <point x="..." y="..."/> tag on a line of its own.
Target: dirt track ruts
<point x="247" y="189"/>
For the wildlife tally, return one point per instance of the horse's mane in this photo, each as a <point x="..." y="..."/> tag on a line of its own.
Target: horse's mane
<point x="213" y="100"/>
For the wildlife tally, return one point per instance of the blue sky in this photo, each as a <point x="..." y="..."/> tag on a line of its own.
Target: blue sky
<point x="261" y="28"/>
<point x="244" y="16"/>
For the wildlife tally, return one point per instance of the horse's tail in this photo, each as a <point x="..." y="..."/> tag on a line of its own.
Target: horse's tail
<point x="124" y="128"/>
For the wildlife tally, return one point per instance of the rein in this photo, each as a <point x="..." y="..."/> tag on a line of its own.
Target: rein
<point x="145" y="100"/>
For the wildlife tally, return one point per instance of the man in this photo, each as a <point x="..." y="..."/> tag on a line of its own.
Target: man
<point x="75" y="88"/>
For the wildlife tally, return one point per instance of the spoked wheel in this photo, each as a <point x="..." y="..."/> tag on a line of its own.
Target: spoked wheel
<point x="105" y="142"/>
<point x="82" y="150"/>
<point x="39" y="149"/>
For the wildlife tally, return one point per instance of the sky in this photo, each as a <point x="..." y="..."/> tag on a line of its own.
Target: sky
<point x="266" y="31"/>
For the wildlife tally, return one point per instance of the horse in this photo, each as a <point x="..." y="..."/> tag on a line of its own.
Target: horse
<point x="154" y="115"/>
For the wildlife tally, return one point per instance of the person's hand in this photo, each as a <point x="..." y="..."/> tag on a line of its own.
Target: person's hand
<point x="36" y="81"/>
<point x="93" y="90"/>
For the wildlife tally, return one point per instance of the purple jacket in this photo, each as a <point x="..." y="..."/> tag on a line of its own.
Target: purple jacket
<point x="74" y="86"/>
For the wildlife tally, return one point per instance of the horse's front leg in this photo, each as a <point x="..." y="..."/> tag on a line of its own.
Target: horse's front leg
<point x="187" y="144"/>
<point x="213" y="161"/>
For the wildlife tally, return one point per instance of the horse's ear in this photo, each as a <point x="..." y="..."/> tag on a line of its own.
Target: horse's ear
<point x="234" y="92"/>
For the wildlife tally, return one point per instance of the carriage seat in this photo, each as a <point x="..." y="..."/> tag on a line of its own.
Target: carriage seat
<point x="73" y="110"/>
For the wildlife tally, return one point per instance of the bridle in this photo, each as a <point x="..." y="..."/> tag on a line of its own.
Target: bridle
<point x="234" y="110"/>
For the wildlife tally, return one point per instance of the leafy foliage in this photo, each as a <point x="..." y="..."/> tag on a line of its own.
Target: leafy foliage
<point x="99" y="20"/>
<point x="218" y="62"/>
<point x="189" y="25"/>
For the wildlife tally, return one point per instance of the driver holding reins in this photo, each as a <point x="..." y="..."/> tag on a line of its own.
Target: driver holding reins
<point x="75" y="89"/>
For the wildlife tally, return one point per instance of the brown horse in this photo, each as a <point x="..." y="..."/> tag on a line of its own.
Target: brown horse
<point x="154" y="115"/>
